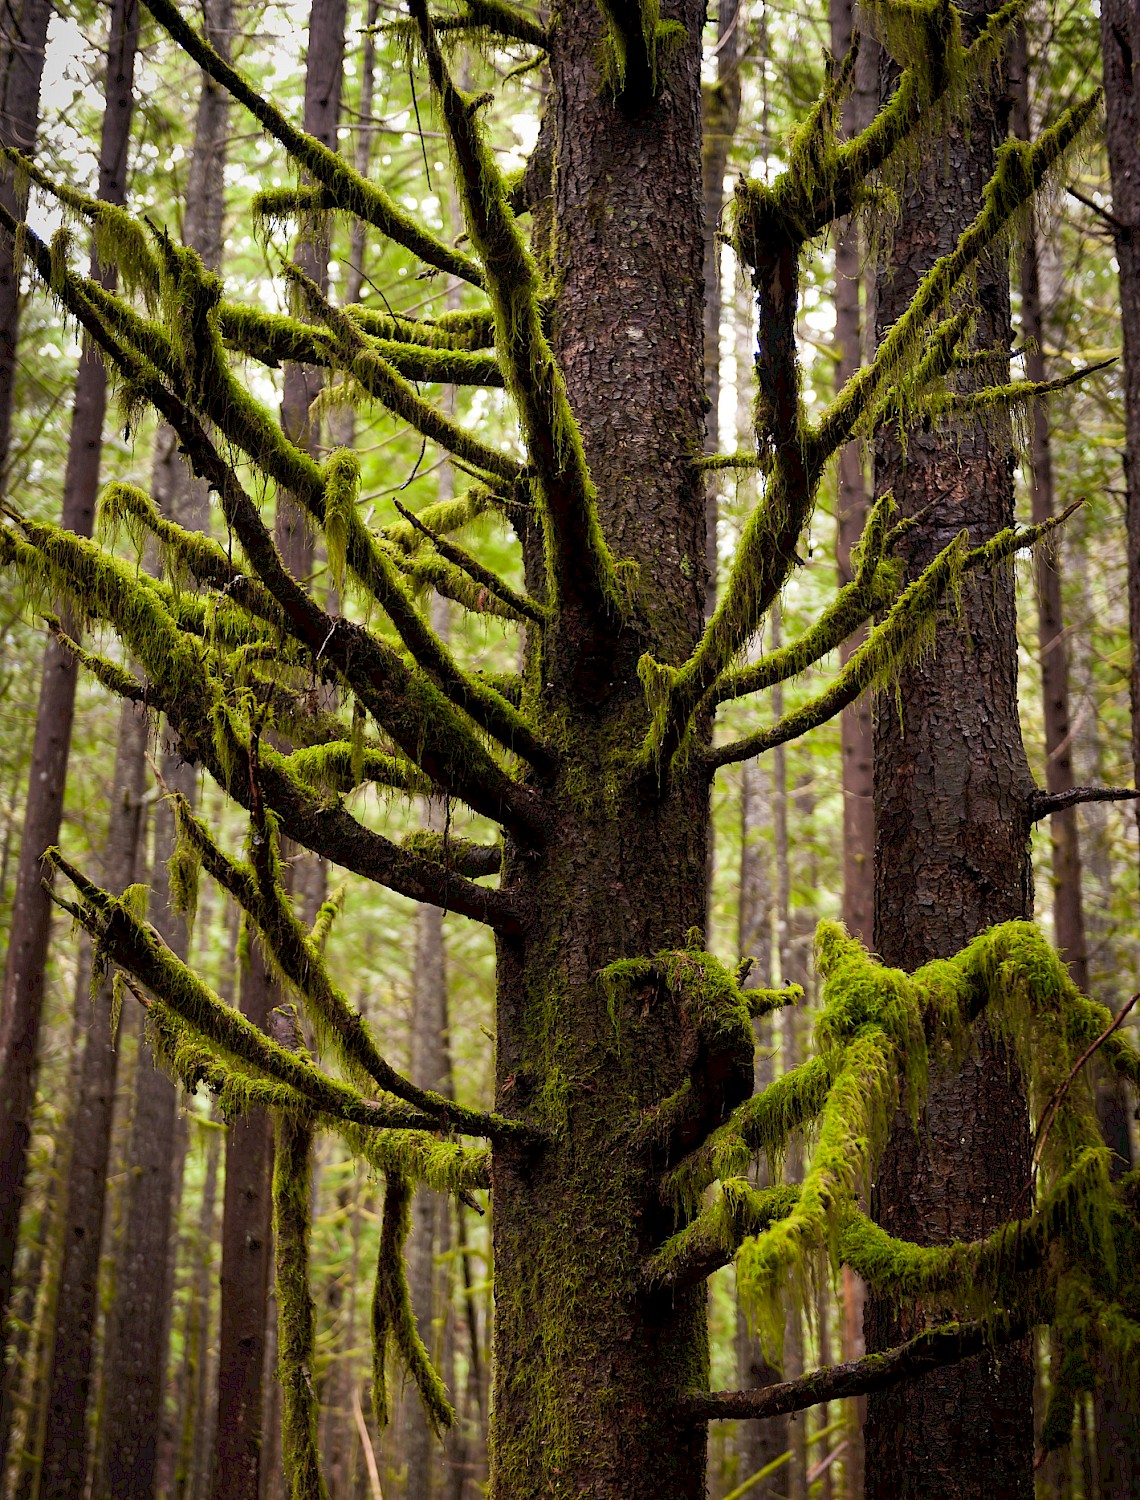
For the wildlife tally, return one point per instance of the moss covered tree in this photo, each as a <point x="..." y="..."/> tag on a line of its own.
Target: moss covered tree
<point x="625" y="1124"/>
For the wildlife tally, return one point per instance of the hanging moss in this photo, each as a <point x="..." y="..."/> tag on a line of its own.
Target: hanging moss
<point x="296" y="1338"/>
<point x="394" y="1330"/>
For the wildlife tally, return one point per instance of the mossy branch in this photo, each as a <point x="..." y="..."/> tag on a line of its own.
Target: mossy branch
<point x="520" y="605"/>
<point x="296" y="1323"/>
<point x="874" y="588"/>
<point x="1020" y="170"/>
<point x="461" y="855"/>
<point x="363" y="360"/>
<point x="905" y="635"/>
<point x="497" y="18"/>
<point x="712" y="1238"/>
<point x="121" y="938"/>
<point x="272" y="339"/>
<point x="393" y="1322"/>
<point x="581" y="569"/>
<point x="637" y="50"/>
<point x="349" y="191"/>
<point x="258" y="887"/>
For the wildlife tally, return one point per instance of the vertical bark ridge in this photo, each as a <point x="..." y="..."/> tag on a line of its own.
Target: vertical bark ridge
<point x="951" y="859"/>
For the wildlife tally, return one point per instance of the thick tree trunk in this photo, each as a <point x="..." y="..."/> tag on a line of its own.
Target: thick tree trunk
<point x="246" y="1259"/>
<point x="586" y="1365"/>
<point x="952" y="858"/>
<point x="65" y="1457"/>
<point x="23" y="44"/>
<point x="21" y="1011"/>
<point x="194" y="1416"/>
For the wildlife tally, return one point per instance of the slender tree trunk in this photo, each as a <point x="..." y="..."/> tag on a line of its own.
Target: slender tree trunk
<point x="194" y="1414"/>
<point x="23" y="44"/>
<point x="952" y="858"/>
<point x="430" y="1069"/>
<point x="721" y="109"/>
<point x="65" y="1459"/>
<point x="1120" y="51"/>
<point x="22" y="1009"/>
<point x="139" y="1321"/>
<point x="851" y="510"/>
<point x="246" y="1259"/>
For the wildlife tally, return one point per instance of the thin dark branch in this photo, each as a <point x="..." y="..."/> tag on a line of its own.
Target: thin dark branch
<point x="1102" y="213"/>
<point x="874" y="1372"/>
<point x="1043" y="804"/>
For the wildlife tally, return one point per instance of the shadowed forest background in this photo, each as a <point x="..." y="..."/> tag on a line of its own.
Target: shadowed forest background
<point x="176" y="1312"/>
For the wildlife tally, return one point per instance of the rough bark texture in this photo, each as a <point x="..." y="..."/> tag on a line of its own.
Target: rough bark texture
<point x="23" y="37"/>
<point x="721" y="105"/>
<point x="430" y="1069"/>
<point x="856" y="740"/>
<point x="65" y="1453"/>
<point x="1120" y="49"/>
<point x="952" y="858"/>
<point x="246" y="1258"/>
<point x="21" y="1011"/>
<point x="621" y="875"/>
<point x="138" y="1324"/>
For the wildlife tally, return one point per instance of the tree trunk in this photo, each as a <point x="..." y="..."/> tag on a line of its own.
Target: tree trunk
<point x="430" y="1069"/>
<point x="1120" y="51"/>
<point x="247" y="1240"/>
<point x="951" y="859"/>
<point x="194" y="1415"/>
<point x="856" y="740"/>
<point x="21" y="1012"/>
<point x="65" y="1458"/>
<point x="622" y="874"/>
<point x="721" y="106"/>
<point x="23" y="44"/>
<point x="138" y="1324"/>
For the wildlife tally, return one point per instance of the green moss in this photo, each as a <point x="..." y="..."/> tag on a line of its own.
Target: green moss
<point x="394" y="1331"/>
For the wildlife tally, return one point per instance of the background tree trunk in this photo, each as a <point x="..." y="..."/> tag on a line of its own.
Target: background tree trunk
<point x="22" y="1009"/>
<point x="951" y="859"/>
<point x="23" y="45"/>
<point x="65" y="1456"/>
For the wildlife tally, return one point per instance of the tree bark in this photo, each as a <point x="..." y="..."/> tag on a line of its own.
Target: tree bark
<point x="721" y="107"/>
<point x="247" y="1243"/>
<point x="65" y="1456"/>
<point x="23" y="45"/>
<point x="622" y="873"/>
<point x="430" y="1069"/>
<point x="138" y="1325"/>
<point x="22" y="1009"/>
<point x="856" y="740"/>
<point x="952" y="858"/>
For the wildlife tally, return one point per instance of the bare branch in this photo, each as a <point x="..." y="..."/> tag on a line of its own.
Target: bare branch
<point x="948" y="1345"/>
<point x="1043" y="804"/>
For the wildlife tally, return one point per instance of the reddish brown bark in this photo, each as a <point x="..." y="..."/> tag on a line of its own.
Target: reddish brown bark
<point x="851" y="511"/>
<point x="65" y="1454"/>
<point x="21" y="1012"/>
<point x="246" y="1258"/>
<point x="23" y="37"/>
<point x="952" y="858"/>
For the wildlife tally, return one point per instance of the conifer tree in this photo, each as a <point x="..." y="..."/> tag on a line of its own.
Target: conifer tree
<point x="625" y="1118"/>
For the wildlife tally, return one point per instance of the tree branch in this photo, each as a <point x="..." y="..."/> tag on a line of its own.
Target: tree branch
<point x="582" y="568"/>
<point x="874" y="1372"/>
<point x="347" y="188"/>
<point x="1042" y="804"/>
